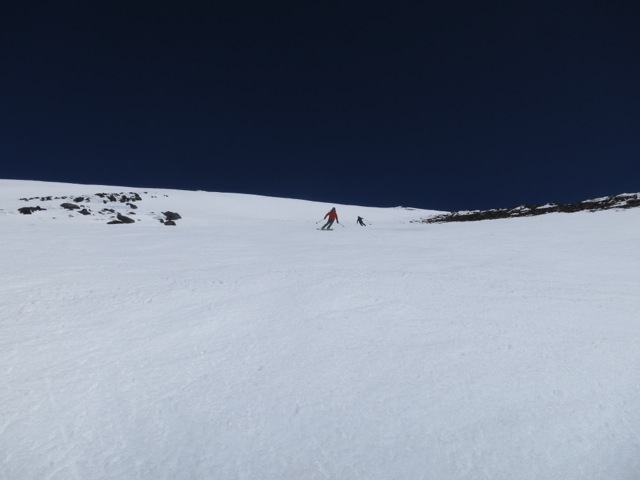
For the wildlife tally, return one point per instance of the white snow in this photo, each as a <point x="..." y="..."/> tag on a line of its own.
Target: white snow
<point x="245" y="344"/>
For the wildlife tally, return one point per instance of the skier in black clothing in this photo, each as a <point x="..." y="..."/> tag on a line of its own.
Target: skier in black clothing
<point x="360" y="222"/>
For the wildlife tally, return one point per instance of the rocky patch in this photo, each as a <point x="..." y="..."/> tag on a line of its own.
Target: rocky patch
<point x="97" y="205"/>
<point x="622" y="201"/>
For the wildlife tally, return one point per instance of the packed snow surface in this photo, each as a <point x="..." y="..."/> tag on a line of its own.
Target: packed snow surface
<point x="243" y="343"/>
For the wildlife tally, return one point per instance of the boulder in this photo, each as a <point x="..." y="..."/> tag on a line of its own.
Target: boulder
<point x="125" y="219"/>
<point x="172" y="215"/>
<point x="30" y="210"/>
<point x="70" y="206"/>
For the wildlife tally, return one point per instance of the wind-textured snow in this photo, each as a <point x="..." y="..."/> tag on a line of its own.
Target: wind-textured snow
<point x="245" y="344"/>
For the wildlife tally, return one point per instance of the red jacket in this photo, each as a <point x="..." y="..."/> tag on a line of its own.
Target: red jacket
<point x="333" y="215"/>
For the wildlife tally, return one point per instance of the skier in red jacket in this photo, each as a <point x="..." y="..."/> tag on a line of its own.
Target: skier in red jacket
<point x="333" y="217"/>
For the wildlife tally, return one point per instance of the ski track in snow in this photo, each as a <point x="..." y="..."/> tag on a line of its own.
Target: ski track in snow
<point x="242" y="348"/>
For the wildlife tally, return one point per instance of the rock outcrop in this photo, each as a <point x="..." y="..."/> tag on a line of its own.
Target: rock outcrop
<point x="625" y="200"/>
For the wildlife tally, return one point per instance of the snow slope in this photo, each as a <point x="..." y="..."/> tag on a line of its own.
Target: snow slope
<point x="245" y="344"/>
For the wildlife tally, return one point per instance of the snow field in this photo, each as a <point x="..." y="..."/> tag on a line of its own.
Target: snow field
<point x="239" y="347"/>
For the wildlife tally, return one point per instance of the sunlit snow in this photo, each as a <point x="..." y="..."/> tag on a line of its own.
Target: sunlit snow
<point x="243" y="343"/>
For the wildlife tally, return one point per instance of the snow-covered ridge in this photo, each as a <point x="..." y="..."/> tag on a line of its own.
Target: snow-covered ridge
<point x="44" y="201"/>
<point x="622" y="201"/>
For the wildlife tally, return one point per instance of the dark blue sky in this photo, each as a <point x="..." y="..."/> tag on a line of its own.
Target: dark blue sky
<point x="463" y="105"/>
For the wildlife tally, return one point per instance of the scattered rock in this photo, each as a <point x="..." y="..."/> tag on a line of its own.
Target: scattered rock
<point x="84" y="205"/>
